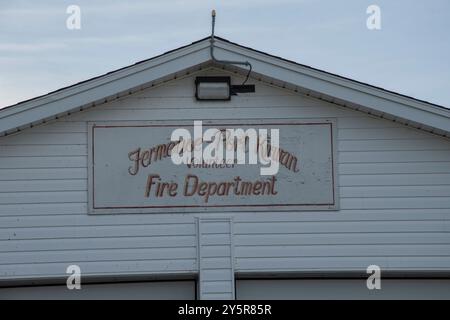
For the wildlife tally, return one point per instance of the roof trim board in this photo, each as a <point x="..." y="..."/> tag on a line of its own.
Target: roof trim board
<point x="292" y="74"/>
<point x="73" y="97"/>
<point x="341" y="88"/>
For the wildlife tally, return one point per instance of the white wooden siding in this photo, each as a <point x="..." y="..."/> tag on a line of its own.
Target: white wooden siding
<point x="215" y="258"/>
<point x="394" y="197"/>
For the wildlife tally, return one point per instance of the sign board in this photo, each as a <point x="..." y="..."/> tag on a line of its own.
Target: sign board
<point x="131" y="170"/>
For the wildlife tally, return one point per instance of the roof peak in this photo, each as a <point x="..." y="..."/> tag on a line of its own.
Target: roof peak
<point x="294" y="74"/>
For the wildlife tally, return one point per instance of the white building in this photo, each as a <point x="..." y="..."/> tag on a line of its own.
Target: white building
<point x="372" y="187"/>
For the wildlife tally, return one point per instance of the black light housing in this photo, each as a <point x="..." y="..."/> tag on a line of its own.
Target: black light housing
<point x="218" y="88"/>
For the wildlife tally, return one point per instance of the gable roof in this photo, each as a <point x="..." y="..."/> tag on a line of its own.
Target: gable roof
<point x="278" y="71"/>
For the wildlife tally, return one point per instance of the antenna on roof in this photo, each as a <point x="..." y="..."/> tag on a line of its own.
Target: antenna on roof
<point x="213" y="58"/>
<point x="213" y="16"/>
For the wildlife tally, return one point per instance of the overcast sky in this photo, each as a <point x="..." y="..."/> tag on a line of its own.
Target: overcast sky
<point x="409" y="55"/>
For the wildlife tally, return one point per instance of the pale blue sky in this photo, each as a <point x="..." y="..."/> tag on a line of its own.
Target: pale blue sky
<point x="409" y="55"/>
